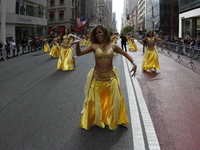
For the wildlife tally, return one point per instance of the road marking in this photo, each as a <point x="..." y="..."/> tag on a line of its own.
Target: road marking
<point x="144" y="136"/>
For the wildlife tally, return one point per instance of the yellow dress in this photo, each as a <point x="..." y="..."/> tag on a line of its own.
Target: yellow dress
<point x="65" y="60"/>
<point x="133" y="45"/>
<point x="150" y="60"/>
<point x="104" y="103"/>
<point x="55" y="50"/>
<point x="84" y="42"/>
<point x="46" y="46"/>
<point x="89" y="43"/>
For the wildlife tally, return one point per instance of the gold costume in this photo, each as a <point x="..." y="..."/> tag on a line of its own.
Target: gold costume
<point x="133" y="45"/>
<point x="65" y="61"/>
<point x="104" y="103"/>
<point x="46" y="46"/>
<point x="84" y="42"/>
<point x="150" y="59"/>
<point x="55" y="48"/>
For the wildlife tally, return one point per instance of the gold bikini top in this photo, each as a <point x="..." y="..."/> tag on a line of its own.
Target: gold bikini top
<point x="150" y="39"/>
<point x="99" y="54"/>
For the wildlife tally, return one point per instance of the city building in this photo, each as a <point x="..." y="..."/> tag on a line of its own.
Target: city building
<point x="22" y="19"/>
<point x="141" y="16"/>
<point x="162" y="16"/>
<point x="64" y="14"/>
<point x="189" y="18"/>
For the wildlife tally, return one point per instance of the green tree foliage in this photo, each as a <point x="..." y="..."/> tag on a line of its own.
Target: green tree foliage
<point x="109" y="29"/>
<point x="127" y="29"/>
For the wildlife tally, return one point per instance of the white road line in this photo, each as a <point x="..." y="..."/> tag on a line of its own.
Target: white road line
<point x="144" y="136"/>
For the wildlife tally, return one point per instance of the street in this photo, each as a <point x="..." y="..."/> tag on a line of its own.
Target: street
<point x="40" y="106"/>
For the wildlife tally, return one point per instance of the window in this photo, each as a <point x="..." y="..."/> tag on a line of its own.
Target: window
<point x="61" y="15"/>
<point x="51" y="2"/>
<point x="51" y="16"/>
<point x="61" y="2"/>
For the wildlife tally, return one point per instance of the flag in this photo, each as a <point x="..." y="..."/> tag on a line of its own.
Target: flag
<point x="84" y="24"/>
<point x="80" y="21"/>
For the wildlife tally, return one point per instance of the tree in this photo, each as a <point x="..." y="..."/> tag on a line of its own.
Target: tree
<point x="127" y="29"/>
<point x="109" y="29"/>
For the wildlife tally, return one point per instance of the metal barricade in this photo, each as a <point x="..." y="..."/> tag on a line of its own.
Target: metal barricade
<point x="191" y="54"/>
<point x="179" y="47"/>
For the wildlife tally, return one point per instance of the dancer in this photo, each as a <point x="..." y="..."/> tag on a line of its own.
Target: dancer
<point x="84" y="41"/>
<point x="66" y="59"/>
<point x="150" y="60"/>
<point x="46" y="46"/>
<point x="104" y="103"/>
<point x="133" y="46"/>
<point x="55" y="48"/>
<point x="114" y="38"/>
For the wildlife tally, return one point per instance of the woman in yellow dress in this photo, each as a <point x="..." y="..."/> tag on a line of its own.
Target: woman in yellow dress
<point x="114" y="38"/>
<point x="133" y="46"/>
<point x="66" y="59"/>
<point x="46" y="47"/>
<point x="150" y="60"/>
<point x="55" y="49"/>
<point x="104" y="103"/>
<point x="84" y="41"/>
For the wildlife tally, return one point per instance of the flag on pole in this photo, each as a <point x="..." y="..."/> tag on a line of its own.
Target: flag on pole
<point x="84" y="24"/>
<point x="80" y="21"/>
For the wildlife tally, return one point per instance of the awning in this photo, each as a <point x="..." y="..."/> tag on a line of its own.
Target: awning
<point x="51" y="13"/>
<point x="76" y="29"/>
<point x="61" y="28"/>
<point x="49" y="29"/>
<point x="61" y="12"/>
<point x="52" y="0"/>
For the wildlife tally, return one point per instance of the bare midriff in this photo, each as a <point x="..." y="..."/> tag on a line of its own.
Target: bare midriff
<point x="103" y="65"/>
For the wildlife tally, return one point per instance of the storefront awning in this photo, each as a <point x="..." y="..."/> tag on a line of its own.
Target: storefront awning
<point x="76" y="29"/>
<point x="61" y="12"/>
<point x="51" y="13"/>
<point x="49" y="30"/>
<point x="61" y="28"/>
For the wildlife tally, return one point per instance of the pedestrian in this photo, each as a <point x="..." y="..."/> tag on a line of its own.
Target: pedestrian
<point x="13" y="47"/>
<point x="55" y="48"/>
<point x="7" y="47"/>
<point x="46" y="47"/>
<point x="66" y="59"/>
<point x="104" y="103"/>
<point x="150" y="60"/>
<point x="1" y="50"/>
<point x="123" y="42"/>
<point x="144" y="44"/>
<point x="133" y="46"/>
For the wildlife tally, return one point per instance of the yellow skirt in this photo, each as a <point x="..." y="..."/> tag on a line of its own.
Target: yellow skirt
<point x="54" y="50"/>
<point x="104" y="103"/>
<point x="65" y="60"/>
<point x="46" y="48"/>
<point x="133" y="47"/>
<point x="150" y="60"/>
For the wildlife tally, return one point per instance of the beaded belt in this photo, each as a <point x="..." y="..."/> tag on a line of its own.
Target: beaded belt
<point x="103" y="76"/>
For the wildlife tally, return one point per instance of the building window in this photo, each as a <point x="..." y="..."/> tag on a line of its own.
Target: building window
<point x="51" y="16"/>
<point x="61" y="15"/>
<point x="51" y="2"/>
<point x="61" y="2"/>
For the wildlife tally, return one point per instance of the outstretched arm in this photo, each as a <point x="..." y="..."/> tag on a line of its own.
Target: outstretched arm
<point x="120" y="51"/>
<point x="75" y="37"/>
<point x="159" y="42"/>
<point x="80" y="52"/>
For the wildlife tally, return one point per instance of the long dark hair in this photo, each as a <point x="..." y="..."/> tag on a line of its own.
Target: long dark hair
<point x="149" y="32"/>
<point x="93" y="38"/>
<point x="63" y="33"/>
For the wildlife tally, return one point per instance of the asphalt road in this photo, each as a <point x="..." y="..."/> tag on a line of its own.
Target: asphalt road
<point x="40" y="106"/>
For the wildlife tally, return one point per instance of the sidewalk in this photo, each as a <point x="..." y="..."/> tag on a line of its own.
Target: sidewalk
<point x="167" y="102"/>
